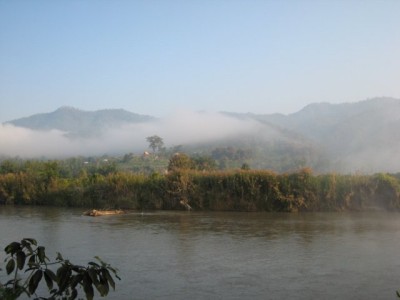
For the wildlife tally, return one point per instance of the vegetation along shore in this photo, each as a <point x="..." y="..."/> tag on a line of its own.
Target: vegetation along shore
<point x="184" y="185"/>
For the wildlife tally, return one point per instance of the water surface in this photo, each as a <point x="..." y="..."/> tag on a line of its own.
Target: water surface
<point x="207" y="255"/>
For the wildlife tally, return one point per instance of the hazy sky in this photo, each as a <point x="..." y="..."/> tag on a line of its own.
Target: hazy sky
<point x="154" y="57"/>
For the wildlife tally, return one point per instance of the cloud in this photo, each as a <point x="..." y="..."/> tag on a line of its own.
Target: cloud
<point x="182" y="127"/>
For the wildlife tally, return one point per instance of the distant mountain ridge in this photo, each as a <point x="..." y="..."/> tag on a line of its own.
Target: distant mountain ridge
<point x="318" y="119"/>
<point x="80" y="123"/>
<point x="362" y="136"/>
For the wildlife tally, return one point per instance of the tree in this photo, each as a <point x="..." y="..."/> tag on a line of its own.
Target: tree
<point x="180" y="161"/>
<point x="8" y="166"/>
<point x="30" y="258"/>
<point x="155" y="142"/>
<point x="204" y="163"/>
<point x="245" y="166"/>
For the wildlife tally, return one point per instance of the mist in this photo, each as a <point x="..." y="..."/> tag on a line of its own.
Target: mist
<point x="370" y="160"/>
<point x="179" y="128"/>
<point x="345" y="153"/>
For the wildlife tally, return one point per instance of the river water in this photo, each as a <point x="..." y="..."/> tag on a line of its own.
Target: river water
<point x="209" y="255"/>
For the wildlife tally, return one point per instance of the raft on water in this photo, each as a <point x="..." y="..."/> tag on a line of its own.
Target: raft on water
<point x="97" y="213"/>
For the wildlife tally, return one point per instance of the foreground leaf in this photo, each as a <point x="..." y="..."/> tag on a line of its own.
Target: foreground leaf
<point x="12" y="248"/>
<point x="109" y="278"/>
<point x="10" y="266"/>
<point x="34" y="281"/>
<point x="41" y="254"/>
<point x="87" y="287"/>
<point x="21" y="259"/>
<point x="49" y="280"/>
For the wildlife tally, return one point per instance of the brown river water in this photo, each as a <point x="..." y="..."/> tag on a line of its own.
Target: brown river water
<point x="224" y="255"/>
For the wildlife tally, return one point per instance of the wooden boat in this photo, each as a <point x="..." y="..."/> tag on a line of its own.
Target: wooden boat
<point x="97" y="213"/>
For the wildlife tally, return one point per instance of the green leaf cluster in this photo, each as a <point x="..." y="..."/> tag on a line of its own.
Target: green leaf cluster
<point x="64" y="280"/>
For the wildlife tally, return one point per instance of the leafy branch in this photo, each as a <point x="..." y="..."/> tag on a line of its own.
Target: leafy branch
<point x="63" y="283"/>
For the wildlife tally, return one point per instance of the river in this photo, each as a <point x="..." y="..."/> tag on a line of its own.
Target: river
<point x="224" y="255"/>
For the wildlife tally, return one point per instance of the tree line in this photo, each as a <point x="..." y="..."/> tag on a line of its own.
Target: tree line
<point x="194" y="182"/>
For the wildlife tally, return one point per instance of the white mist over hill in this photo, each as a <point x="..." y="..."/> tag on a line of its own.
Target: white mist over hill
<point x="182" y="127"/>
<point x="348" y="137"/>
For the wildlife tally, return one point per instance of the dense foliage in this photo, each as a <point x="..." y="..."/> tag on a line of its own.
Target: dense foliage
<point x="27" y="264"/>
<point x="52" y="183"/>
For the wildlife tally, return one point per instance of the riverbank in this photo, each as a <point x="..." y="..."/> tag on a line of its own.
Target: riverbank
<point x="239" y="190"/>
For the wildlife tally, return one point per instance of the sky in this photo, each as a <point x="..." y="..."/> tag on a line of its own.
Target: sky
<point x="155" y="57"/>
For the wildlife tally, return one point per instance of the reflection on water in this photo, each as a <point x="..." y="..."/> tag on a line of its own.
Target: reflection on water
<point x="180" y="255"/>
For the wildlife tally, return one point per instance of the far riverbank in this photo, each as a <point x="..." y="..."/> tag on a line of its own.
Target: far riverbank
<point x="235" y="190"/>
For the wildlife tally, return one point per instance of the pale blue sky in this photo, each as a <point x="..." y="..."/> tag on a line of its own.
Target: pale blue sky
<point x="154" y="57"/>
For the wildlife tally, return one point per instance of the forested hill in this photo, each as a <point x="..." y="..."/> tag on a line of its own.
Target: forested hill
<point x="356" y="136"/>
<point x="76" y="122"/>
<point x="349" y="137"/>
<point x="321" y="121"/>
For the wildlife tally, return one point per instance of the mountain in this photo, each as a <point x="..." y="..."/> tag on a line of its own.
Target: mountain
<point x="262" y="145"/>
<point x="361" y="136"/>
<point x="79" y="123"/>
